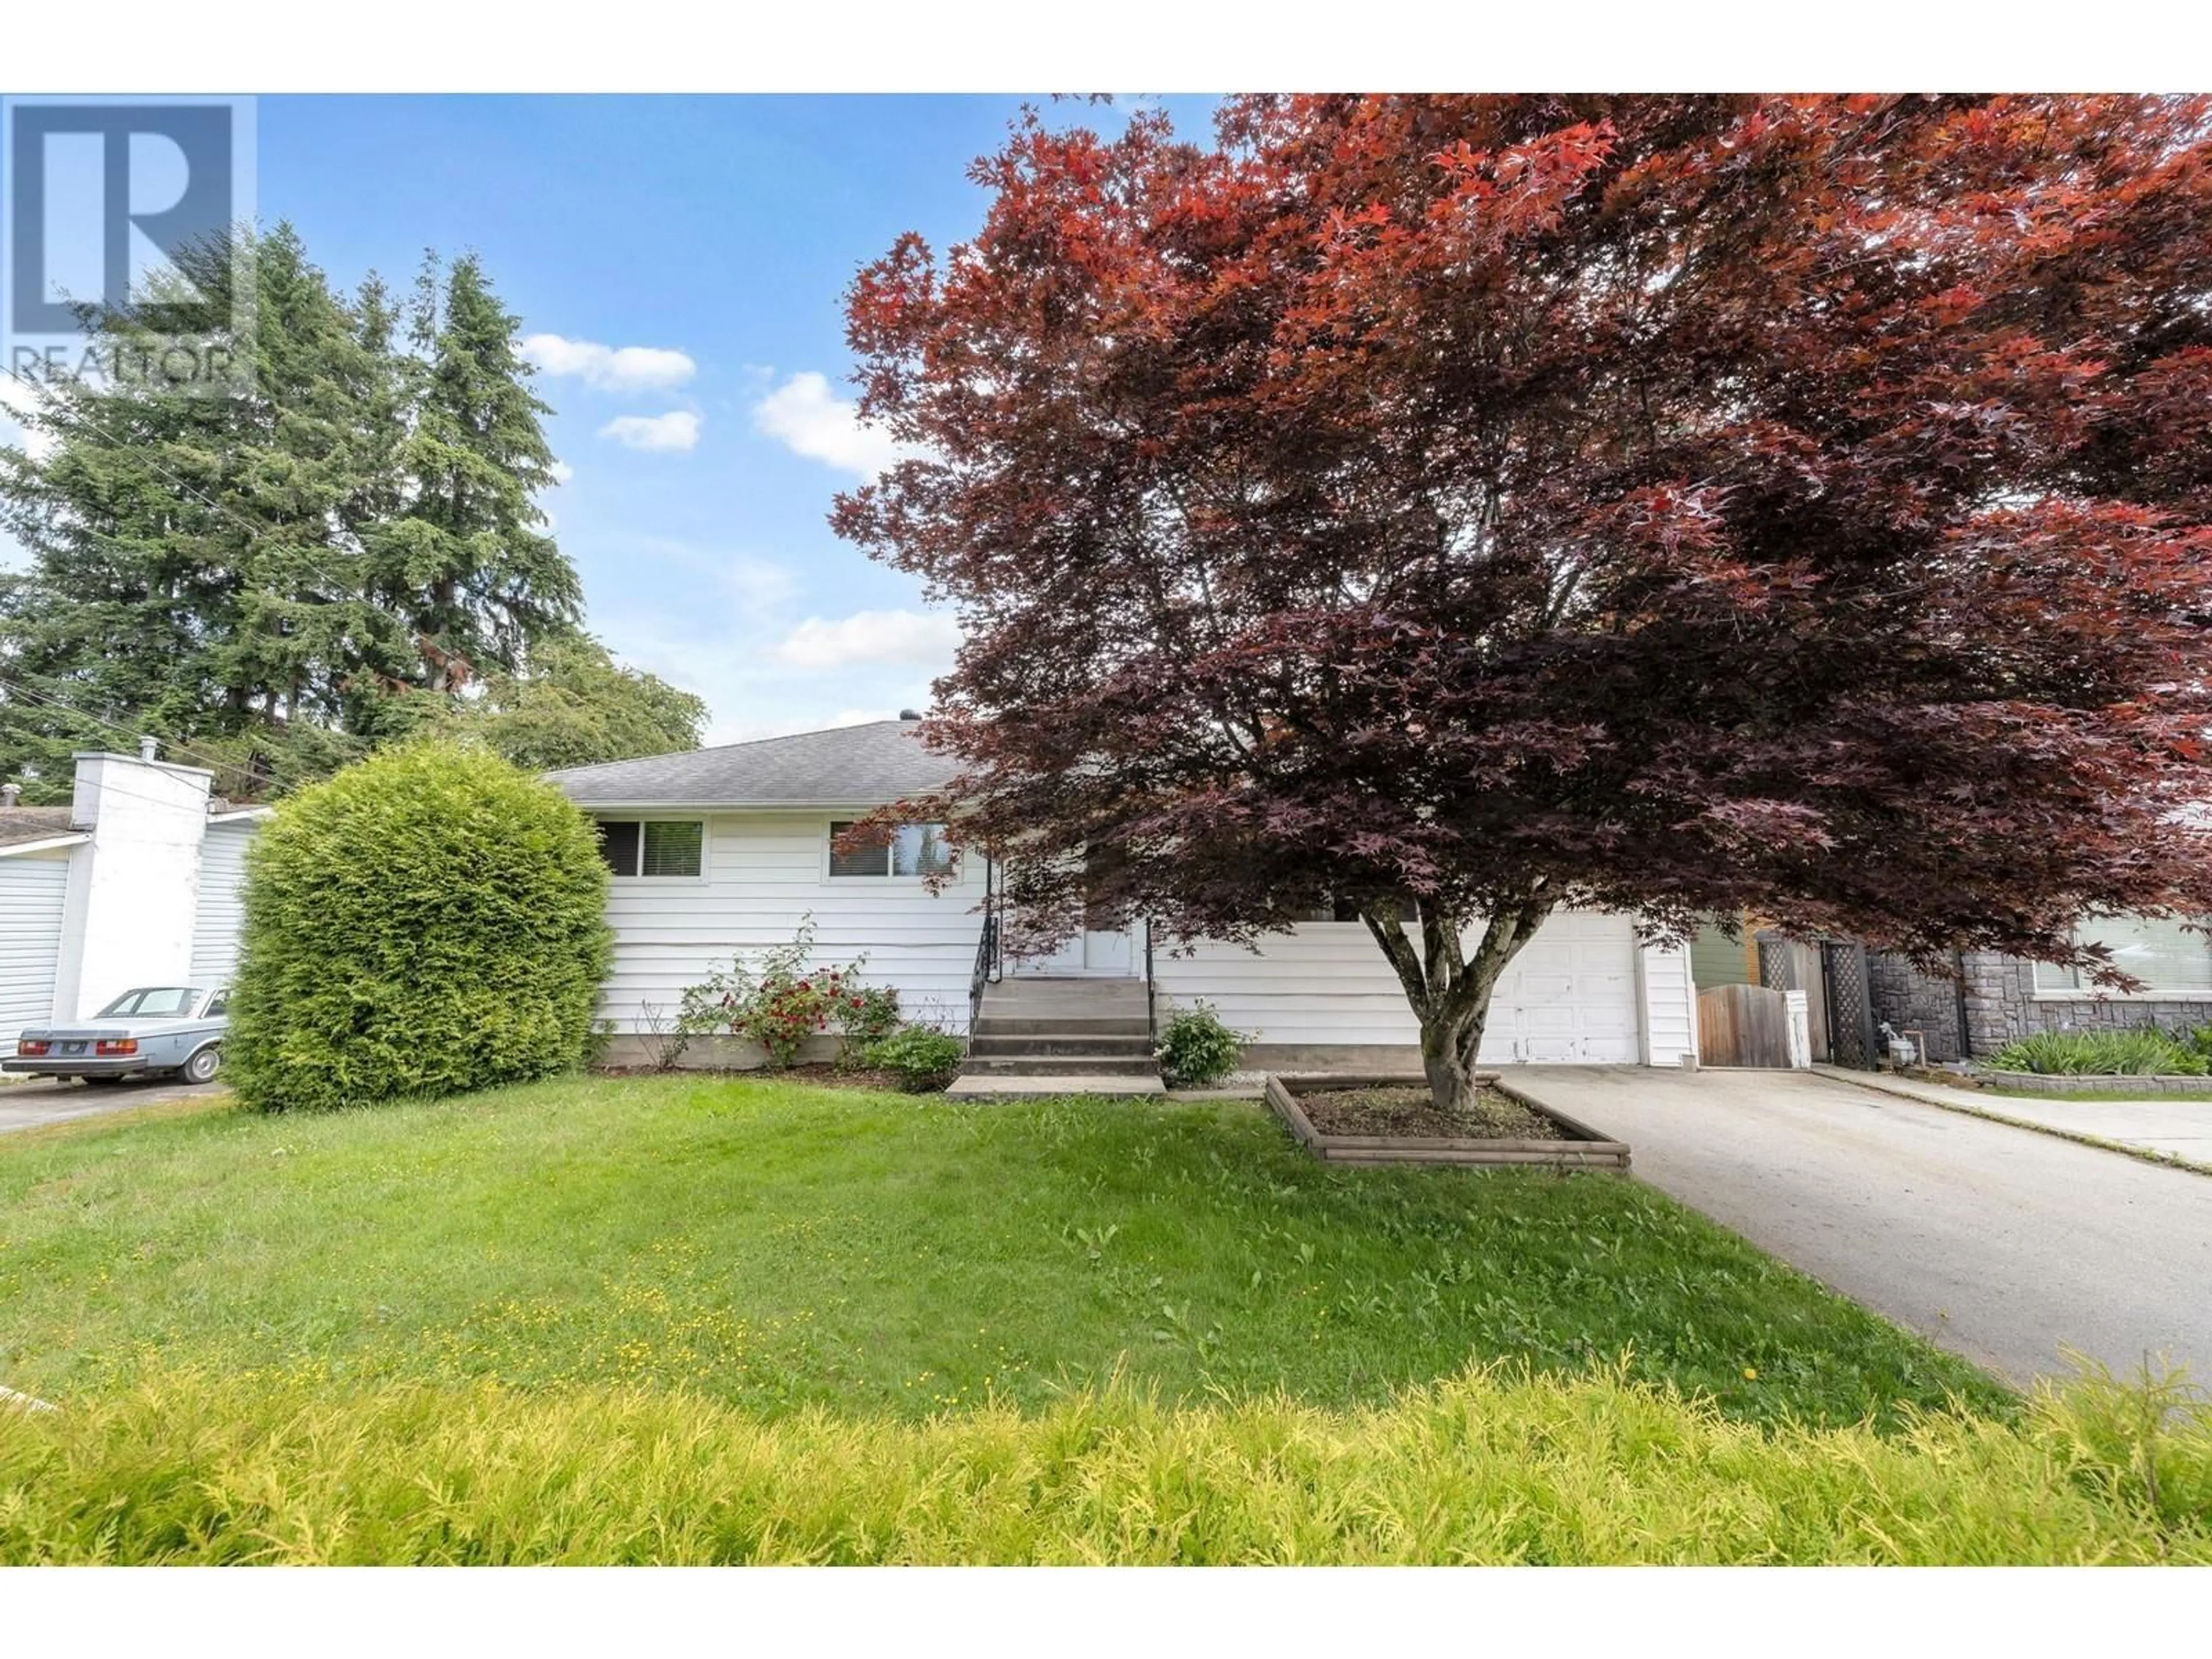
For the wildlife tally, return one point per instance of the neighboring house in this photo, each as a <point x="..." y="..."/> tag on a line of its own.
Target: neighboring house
<point x="134" y="882"/>
<point x="1997" y="998"/>
<point x="724" y="851"/>
<point x="1993" y="999"/>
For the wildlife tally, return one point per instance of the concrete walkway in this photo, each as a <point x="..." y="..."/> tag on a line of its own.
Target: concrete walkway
<point x="30" y="1104"/>
<point x="2002" y="1245"/>
<point x="2177" y="1129"/>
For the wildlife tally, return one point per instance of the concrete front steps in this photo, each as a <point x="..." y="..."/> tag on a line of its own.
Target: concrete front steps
<point x="1059" y="1036"/>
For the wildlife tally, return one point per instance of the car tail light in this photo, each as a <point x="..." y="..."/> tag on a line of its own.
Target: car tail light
<point x="111" y="1046"/>
<point x="34" y="1046"/>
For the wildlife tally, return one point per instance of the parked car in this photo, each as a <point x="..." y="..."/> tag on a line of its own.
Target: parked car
<point x="174" y="1029"/>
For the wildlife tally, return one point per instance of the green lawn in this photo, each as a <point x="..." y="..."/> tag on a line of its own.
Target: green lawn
<point x="774" y="1246"/>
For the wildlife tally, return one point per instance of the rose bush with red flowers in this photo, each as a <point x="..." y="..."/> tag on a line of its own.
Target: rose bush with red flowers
<point x="785" y="997"/>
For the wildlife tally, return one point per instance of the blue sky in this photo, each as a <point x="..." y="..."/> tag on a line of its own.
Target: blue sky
<point x="703" y="243"/>
<point x="677" y="264"/>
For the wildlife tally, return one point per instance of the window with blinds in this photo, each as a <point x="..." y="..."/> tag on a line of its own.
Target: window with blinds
<point x="912" y="850"/>
<point x="2166" y="956"/>
<point x="654" y="846"/>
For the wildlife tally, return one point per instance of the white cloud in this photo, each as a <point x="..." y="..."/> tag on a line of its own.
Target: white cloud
<point x="677" y="430"/>
<point x="611" y="369"/>
<point x="808" y="418"/>
<point x="17" y="402"/>
<point x="710" y="618"/>
<point x="875" y="637"/>
<point x="562" y="471"/>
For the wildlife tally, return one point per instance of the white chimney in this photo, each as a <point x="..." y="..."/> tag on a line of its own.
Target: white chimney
<point x="134" y="890"/>
<point x="149" y="748"/>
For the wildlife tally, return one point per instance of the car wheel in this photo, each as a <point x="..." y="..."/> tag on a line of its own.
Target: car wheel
<point x="201" y="1067"/>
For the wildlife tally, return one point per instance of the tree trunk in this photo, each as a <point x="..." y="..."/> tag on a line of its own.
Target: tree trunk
<point x="1449" y="989"/>
<point x="1449" y="1048"/>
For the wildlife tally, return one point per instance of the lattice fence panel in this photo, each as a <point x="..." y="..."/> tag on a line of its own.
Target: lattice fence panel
<point x="1851" y="1004"/>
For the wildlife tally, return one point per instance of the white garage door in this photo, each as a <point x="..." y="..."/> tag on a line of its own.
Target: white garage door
<point x="1570" y="995"/>
<point x="215" y="925"/>
<point x="31" y="894"/>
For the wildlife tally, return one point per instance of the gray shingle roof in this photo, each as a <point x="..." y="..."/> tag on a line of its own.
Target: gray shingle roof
<point x="847" y="766"/>
<point x="18" y="824"/>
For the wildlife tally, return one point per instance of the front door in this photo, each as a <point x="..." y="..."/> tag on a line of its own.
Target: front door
<point x="1103" y="948"/>
<point x="1102" y="951"/>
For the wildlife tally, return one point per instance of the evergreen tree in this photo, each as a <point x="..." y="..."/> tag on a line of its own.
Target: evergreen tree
<point x="469" y="562"/>
<point x="271" y="577"/>
<point x="133" y="589"/>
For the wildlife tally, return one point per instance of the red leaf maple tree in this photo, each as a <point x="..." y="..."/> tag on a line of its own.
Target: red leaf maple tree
<point x="1447" y="509"/>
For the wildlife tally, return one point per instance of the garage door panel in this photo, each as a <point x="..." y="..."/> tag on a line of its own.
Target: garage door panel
<point x="1571" y="997"/>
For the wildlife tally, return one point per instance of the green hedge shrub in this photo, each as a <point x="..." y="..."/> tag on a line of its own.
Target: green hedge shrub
<point x="429" y="922"/>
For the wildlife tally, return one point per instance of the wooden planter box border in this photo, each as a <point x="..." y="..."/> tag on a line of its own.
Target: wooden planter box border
<point x="1584" y="1149"/>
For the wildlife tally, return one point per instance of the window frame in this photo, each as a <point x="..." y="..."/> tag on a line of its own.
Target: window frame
<point x="830" y="827"/>
<point x="2038" y="991"/>
<point x="641" y="819"/>
<point x="1411" y="918"/>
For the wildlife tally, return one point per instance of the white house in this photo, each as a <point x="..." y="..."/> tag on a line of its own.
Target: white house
<point x="135" y="882"/>
<point x="723" y="851"/>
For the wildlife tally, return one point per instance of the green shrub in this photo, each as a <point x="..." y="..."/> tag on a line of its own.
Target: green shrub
<point x="785" y="997"/>
<point x="1196" y="1050"/>
<point x="2144" y="1052"/>
<point x="921" y="1058"/>
<point x="1496" y="1466"/>
<point x="430" y="920"/>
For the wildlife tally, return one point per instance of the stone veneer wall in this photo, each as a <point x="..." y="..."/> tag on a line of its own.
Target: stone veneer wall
<point x="2001" y="1004"/>
<point x="1913" y="1001"/>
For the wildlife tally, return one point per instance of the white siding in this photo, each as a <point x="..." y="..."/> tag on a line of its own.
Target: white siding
<point x="32" y="887"/>
<point x="1573" y="994"/>
<point x="764" y="871"/>
<point x="216" y="921"/>
<point x="1670" y="1005"/>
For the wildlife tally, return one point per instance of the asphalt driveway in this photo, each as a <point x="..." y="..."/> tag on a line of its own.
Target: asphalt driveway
<point x="1999" y="1243"/>
<point x="26" y="1105"/>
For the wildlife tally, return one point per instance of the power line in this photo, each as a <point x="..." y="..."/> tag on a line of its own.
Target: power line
<point x="19" y="688"/>
<point x="111" y="787"/>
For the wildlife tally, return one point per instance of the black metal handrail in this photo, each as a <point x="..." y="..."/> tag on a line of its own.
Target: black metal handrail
<point x="987" y="953"/>
<point x="1152" y="1013"/>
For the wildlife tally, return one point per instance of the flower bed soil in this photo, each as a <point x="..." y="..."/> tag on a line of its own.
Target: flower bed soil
<point x="1408" y="1110"/>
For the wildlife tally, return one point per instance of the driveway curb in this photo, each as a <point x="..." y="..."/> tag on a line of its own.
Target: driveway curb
<point x="2080" y="1138"/>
